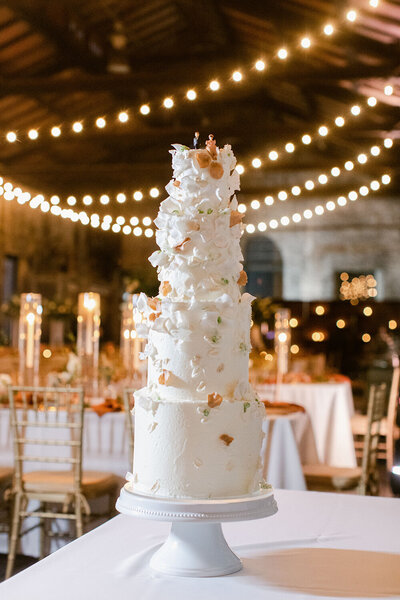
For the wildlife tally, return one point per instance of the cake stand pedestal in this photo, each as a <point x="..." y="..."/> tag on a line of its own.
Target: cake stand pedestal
<point x="196" y="546"/>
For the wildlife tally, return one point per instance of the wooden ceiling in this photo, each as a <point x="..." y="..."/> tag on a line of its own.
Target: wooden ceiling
<point x="55" y="59"/>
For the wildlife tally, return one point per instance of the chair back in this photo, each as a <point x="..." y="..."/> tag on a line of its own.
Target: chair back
<point x="369" y="483"/>
<point x="128" y="406"/>
<point x="47" y="426"/>
<point x="391" y="417"/>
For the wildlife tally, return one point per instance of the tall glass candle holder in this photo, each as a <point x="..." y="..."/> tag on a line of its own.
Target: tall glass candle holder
<point x="132" y="345"/>
<point x="282" y="343"/>
<point x="88" y="341"/>
<point x="30" y="330"/>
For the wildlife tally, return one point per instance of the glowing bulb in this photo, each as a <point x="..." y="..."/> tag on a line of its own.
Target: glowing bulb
<point x="148" y="233"/>
<point x="120" y="220"/>
<point x="121" y="198"/>
<point x="11" y="136"/>
<point x="341" y="201"/>
<point x="242" y="208"/>
<point x="282" y="195"/>
<point x="366" y="337"/>
<point x="255" y="204"/>
<point x="191" y="95"/>
<point x="289" y="147"/>
<point x="77" y="127"/>
<point x="339" y="121"/>
<point x="351" y="16"/>
<point x="53" y="199"/>
<point x="214" y="85"/>
<point x="388" y="89"/>
<point x="307" y="214"/>
<point x="335" y="171"/>
<point x="145" y="109"/>
<point x="367" y="311"/>
<point x="319" y="310"/>
<point x="168" y="103"/>
<point x="355" y="110"/>
<point x="319" y="210"/>
<point x="282" y="53"/>
<point x="374" y="3"/>
<point x="372" y="101"/>
<point x="137" y="195"/>
<point x="375" y="150"/>
<point x="100" y="122"/>
<point x="256" y="163"/>
<point x="273" y="224"/>
<point x="375" y="185"/>
<point x="237" y="76"/>
<point x="385" y="179"/>
<point x="362" y="159"/>
<point x="353" y="196"/>
<point x="250" y="228"/>
<point x="273" y="155"/>
<point x="260" y="65"/>
<point x="306" y="139"/>
<point x="154" y="192"/>
<point x="285" y="221"/>
<point x="309" y="184"/>
<point x="269" y="200"/>
<point x="349" y="165"/>
<point x="296" y="190"/>
<point x="71" y="200"/>
<point x="328" y="29"/>
<point x="323" y="179"/>
<point x="127" y="229"/>
<point x="392" y="324"/>
<point x="123" y="116"/>
<point x="296" y="218"/>
<point x="33" y="134"/>
<point x="330" y="205"/>
<point x="364" y="191"/>
<point x="262" y="226"/>
<point x="146" y="221"/>
<point x="87" y="200"/>
<point x="134" y="221"/>
<point x="305" y="42"/>
<point x="104" y="199"/>
<point x="240" y="169"/>
<point x="116" y="228"/>
<point x="388" y="142"/>
<point x="340" y="324"/>
<point x="323" y="131"/>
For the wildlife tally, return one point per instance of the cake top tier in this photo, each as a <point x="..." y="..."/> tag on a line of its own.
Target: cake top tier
<point x="199" y="227"/>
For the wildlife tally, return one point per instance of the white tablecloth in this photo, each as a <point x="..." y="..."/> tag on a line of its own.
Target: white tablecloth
<point x="106" y="448"/>
<point x="330" y="408"/>
<point x="318" y="545"/>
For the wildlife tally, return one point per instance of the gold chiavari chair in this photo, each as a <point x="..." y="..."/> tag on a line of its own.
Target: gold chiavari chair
<point x="365" y="478"/>
<point x="6" y="479"/>
<point x="47" y="426"/>
<point x="128" y="406"/>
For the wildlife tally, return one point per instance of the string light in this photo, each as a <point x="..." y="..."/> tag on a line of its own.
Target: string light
<point x="33" y="134"/>
<point x="388" y="89"/>
<point x="77" y="127"/>
<point x="144" y="109"/>
<point x="168" y="103"/>
<point x="351" y="16"/>
<point x="100" y="122"/>
<point x="328" y="29"/>
<point x="289" y="147"/>
<point x="123" y="117"/>
<point x="214" y="85"/>
<point x="282" y="53"/>
<point x="11" y="137"/>
<point x="305" y="42"/>
<point x="240" y="169"/>
<point x="256" y="163"/>
<point x="260" y="65"/>
<point x="154" y="192"/>
<point x="191" y="95"/>
<point x="330" y="206"/>
<point x="138" y="195"/>
<point x="237" y="76"/>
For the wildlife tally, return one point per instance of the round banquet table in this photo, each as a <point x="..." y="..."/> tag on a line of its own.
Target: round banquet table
<point x="330" y="408"/>
<point x="106" y="448"/>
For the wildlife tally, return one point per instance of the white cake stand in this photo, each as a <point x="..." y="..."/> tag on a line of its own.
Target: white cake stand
<point x="196" y="546"/>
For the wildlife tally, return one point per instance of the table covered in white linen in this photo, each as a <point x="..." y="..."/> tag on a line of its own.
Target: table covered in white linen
<point x="330" y="408"/>
<point x="318" y="545"/>
<point x="106" y="448"/>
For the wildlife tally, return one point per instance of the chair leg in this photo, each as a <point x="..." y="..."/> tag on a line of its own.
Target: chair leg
<point x="14" y="535"/>
<point x="78" y="516"/>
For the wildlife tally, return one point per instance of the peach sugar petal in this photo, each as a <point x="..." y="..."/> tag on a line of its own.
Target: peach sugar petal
<point x="177" y="183"/>
<point x="242" y="278"/>
<point x="216" y="170"/>
<point x="193" y="226"/>
<point x="153" y="303"/>
<point x="182" y="244"/>
<point x="227" y="439"/>
<point x="164" y="377"/>
<point x="235" y="218"/>
<point x="153" y="316"/>
<point x="165" y="288"/>
<point x="203" y="158"/>
<point x="214" y="400"/>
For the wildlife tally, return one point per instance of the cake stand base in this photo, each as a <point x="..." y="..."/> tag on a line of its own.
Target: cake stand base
<point x="196" y="546"/>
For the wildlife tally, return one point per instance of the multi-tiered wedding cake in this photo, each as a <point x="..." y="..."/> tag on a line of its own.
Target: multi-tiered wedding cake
<point x="198" y="423"/>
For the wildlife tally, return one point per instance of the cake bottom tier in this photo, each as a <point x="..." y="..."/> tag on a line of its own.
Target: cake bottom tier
<point x="189" y="450"/>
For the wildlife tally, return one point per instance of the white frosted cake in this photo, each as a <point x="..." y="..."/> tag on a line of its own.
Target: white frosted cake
<point x="198" y="423"/>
